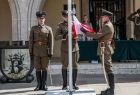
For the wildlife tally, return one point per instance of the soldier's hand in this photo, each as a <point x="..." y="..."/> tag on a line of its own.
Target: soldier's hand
<point x="50" y="56"/>
<point x="83" y="30"/>
<point x="65" y="35"/>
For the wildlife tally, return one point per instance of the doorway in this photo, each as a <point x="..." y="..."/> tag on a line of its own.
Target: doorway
<point x="117" y="7"/>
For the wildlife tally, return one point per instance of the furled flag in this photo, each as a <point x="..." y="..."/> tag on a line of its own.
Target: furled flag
<point x="76" y="27"/>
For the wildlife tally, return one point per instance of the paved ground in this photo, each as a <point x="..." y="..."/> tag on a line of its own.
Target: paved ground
<point x="126" y="84"/>
<point x="121" y="89"/>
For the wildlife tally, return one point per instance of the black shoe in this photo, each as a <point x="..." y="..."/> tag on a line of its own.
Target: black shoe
<point x="36" y="89"/>
<point x="64" y="87"/>
<point x="45" y="89"/>
<point x="75" y="87"/>
<point x="107" y="92"/>
<point x="110" y="90"/>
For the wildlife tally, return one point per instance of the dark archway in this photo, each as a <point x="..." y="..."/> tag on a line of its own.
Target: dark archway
<point x="118" y="19"/>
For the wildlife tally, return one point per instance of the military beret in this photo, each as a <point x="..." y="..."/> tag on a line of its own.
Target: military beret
<point x="64" y="13"/>
<point x="106" y="13"/>
<point x="138" y="11"/>
<point x="40" y="13"/>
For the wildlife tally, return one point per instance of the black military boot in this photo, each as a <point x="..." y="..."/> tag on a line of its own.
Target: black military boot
<point x="111" y="82"/>
<point x="44" y="80"/>
<point x="38" y="78"/>
<point x="110" y="91"/>
<point x="64" y="75"/>
<point x="74" y="75"/>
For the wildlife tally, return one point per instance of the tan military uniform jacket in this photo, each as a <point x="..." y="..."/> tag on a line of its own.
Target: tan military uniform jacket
<point x="41" y="41"/>
<point x="105" y="35"/>
<point x="136" y="20"/>
<point x="61" y="30"/>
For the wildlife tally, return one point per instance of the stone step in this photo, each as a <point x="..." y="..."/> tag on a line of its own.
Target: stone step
<point x="88" y="68"/>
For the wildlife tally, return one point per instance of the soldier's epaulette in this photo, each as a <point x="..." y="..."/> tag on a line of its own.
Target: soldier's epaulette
<point x="108" y="24"/>
<point x="48" y="27"/>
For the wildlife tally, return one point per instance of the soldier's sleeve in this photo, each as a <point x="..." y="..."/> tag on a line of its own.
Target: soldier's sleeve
<point x="58" y="33"/>
<point x="106" y="30"/>
<point x="131" y="17"/>
<point x="31" y="38"/>
<point x="51" y="41"/>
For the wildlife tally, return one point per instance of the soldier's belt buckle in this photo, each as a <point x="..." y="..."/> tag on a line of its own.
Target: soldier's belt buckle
<point x="40" y="43"/>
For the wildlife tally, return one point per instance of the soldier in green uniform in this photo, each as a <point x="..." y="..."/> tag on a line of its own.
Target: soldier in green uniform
<point x="41" y="49"/>
<point x="105" y="36"/>
<point x="61" y="34"/>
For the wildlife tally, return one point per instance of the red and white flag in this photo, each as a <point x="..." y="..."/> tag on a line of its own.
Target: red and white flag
<point x="76" y="26"/>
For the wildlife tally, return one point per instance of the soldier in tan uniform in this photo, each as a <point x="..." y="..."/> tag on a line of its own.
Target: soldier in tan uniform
<point x="135" y="17"/>
<point x="61" y="34"/>
<point x="105" y="36"/>
<point x="41" y="49"/>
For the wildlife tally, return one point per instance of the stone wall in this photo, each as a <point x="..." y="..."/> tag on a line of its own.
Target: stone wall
<point x="21" y="16"/>
<point x="5" y="21"/>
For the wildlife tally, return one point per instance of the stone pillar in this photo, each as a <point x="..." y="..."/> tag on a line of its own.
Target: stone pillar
<point x="23" y="17"/>
<point x="129" y="25"/>
<point x="85" y="7"/>
<point x="14" y="14"/>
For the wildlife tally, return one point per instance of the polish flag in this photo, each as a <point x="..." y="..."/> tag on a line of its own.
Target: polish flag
<point x="76" y="25"/>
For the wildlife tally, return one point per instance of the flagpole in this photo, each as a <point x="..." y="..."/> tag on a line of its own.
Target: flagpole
<point x="70" y="45"/>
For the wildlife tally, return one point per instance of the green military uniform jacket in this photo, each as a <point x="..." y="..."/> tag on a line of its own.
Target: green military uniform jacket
<point x="105" y="35"/>
<point x="41" y="41"/>
<point x="61" y="30"/>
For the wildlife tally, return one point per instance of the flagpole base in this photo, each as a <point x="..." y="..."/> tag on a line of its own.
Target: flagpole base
<point x="71" y="93"/>
<point x="75" y="92"/>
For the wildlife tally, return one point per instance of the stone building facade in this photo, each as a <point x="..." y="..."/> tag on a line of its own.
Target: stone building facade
<point x="17" y="17"/>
